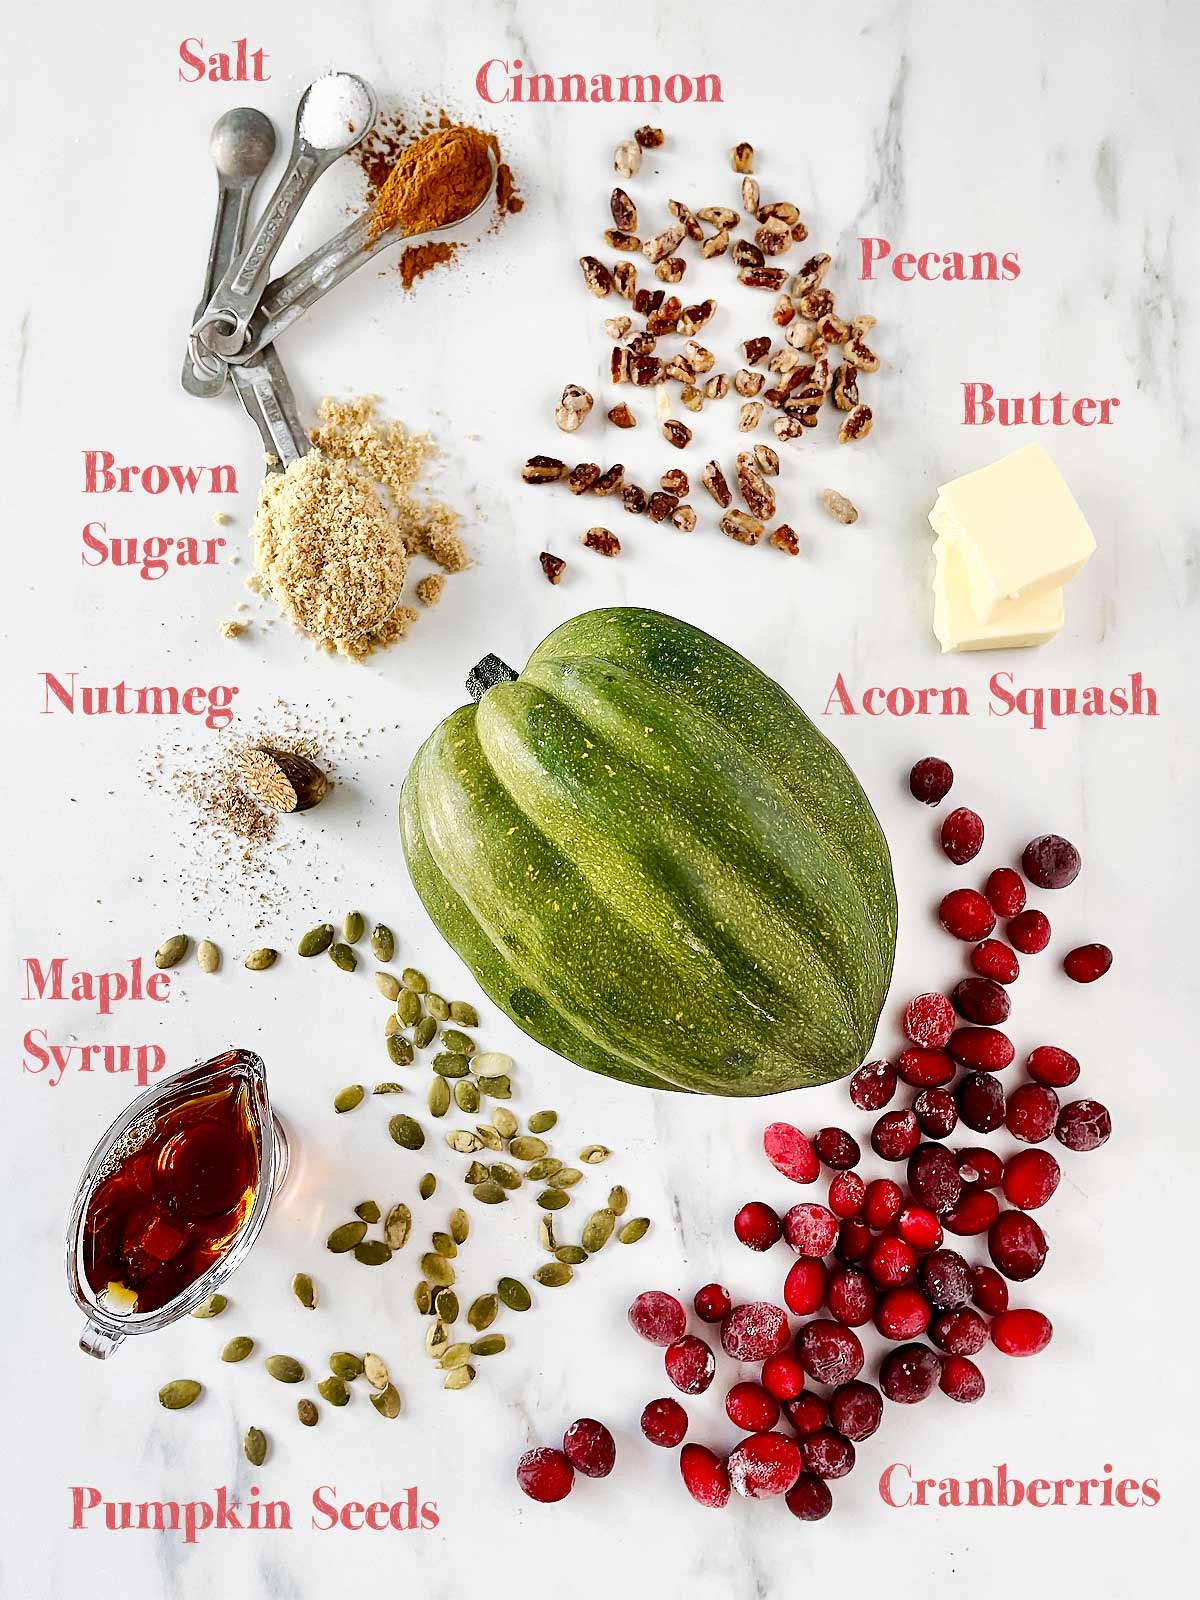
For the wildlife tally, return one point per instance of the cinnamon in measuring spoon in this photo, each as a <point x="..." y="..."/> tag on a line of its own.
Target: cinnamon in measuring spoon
<point x="434" y="181"/>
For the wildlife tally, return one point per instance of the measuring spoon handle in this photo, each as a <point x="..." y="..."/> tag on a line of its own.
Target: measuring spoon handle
<point x="287" y="298"/>
<point x="233" y="211"/>
<point x="267" y="399"/>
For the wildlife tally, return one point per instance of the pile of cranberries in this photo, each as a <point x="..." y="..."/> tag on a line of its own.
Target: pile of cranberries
<point x="588" y="1448"/>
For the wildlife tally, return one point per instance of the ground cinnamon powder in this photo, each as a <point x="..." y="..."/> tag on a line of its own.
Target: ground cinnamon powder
<point x="435" y="181"/>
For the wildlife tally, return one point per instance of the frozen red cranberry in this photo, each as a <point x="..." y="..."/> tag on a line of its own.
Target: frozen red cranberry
<point x="946" y="1279"/>
<point x="1056" y="1068"/>
<point x="933" y="1178"/>
<point x="1087" y="962"/>
<point x="895" y="1136"/>
<point x="590" y="1448"/>
<point x="982" y="1049"/>
<point x="981" y="1000"/>
<point x="758" y="1226"/>
<point x="805" y="1286"/>
<point x="1083" y="1125"/>
<point x="749" y="1407"/>
<point x="966" y="914"/>
<point x="826" y="1454"/>
<point x="664" y="1422"/>
<point x="975" y="1212"/>
<point x="930" y="780"/>
<point x="902" y="1314"/>
<point x="959" y="1333"/>
<point x="918" y="1227"/>
<point x="962" y="836"/>
<point x="1031" y="1113"/>
<point x="929" y="1020"/>
<point x="1005" y="890"/>
<point x="909" y="1373"/>
<point x="990" y="1293"/>
<point x="809" y="1498"/>
<point x="712" y="1303"/>
<point x="764" y="1465"/>
<point x="704" y="1475"/>
<point x="882" y="1203"/>
<point x="811" y="1229"/>
<point x="829" y="1353"/>
<point x="993" y="959"/>
<point x="873" y="1085"/>
<point x="837" y="1149"/>
<point x="783" y="1376"/>
<point x="851" y="1297"/>
<point x="658" y="1317"/>
<point x="977" y="1165"/>
<point x="961" y="1379"/>
<point x="1030" y="1178"/>
<point x="1021" y="1333"/>
<point x="691" y="1365"/>
<point x="925" y="1069"/>
<point x="545" y="1474"/>
<point x="980" y="1102"/>
<point x="892" y="1262"/>
<point x="936" y="1112"/>
<point x="1029" y="933"/>
<point x="754" y="1331"/>
<point x="807" y="1412"/>
<point x="856" y="1410"/>
<point x="1017" y="1245"/>
<point x="791" y="1152"/>
<point x="854" y="1240"/>
<point x="1050" y="861"/>
<point x="846" y="1195"/>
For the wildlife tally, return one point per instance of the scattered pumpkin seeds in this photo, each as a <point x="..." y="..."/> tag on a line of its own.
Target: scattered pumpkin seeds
<point x="180" y="1392"/>
<point x="397" y="1225"/>
<point x="505" y="1122"/>
<point x="367" y="1210"/>
<point x="388" y="985"/>
<point x="464" y="1141"/>
<point x="546" y="1232"/>
<point x="553" y="1199"/>
<point x="254" y="1446"/>
<point x="436" y="1338"/>
<point x="514" y="1294"/>
<point x="388" y="1086"/>
<point x="553" y="1274"/>
<point x="567" y="1177"/>
<point x="597" y="1230"/>
<point x="444" y="1245"/>
<point x="460" y="1377"/>
<point x="455" y="1355"/>
<point x="546" y="1167"/>
<point x="308" y="1413"/>
<point x="460" y="1043"/>
<point x="373" y="1252"/>
<point x="208" y="956"/>
<point x="316" y="941"/>
<point x="212" y="1307"/>
<point x="383" y="942"/>
<point x="482" y="1311"/>
<point x="375" y="1370"/>
<point x="573" y="1254"/>
<point x="392" y="1026"/>
<point x="445" y="1303"/>
<point x="305" y="1289"/>
<point x="636" y="1228"/>
<point x="423" y="1298"/>
<point x="488" y="1136"/>
<point x="492" y="1061"/>
<point x="437" y="1097"/>
<point x="491" y="1345"/>
<point x="497" y="1088"/>
<point x="387" y="1402"/>
<point x="489" y="1193"/>
<point x="237" y="1349"/>
<point x="526" y="1147"/>
<point x="423" y="1032"/>
<point x="618" y="1199"/>
<point x="334" y="1390"/>
<point x="406" y="1132"/>
<point x="542" y="1121"/>
<point x="507" y="1177"/>
<point x="345" y="1365"/>
<point x="427" y="1185"/>
<point x="285" y="1369"/>
<point x="259" y="960"/>
<point x="459" y="1225"/>
<point x="345" y="1236"/>
<point x="464" y="1013"/>
<point x="399" y="1049"/>
<point x="346" y="1099"/>
<point x="408" y="1007"/>
<point x="466" y="1096"/>
<point x="593" y="1154"/>
<point x="353" y="927"/>
<point x="475" y="1173"/>
<point x="437" y="1269"/>
<point x="414" y="980"/>
<point x="450" y="1065"/>
<point x="171" y="952"/>
<point x="437" y="1008"/>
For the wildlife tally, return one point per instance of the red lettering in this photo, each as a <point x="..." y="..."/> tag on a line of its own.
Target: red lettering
<point x="872" y="250"/>
<point x="79" y="1505"/>
<point x="190" y="59"/>
<point x="885" y="1484"/>
<point x="977" y="404"/>
<point x="482" y="86"/>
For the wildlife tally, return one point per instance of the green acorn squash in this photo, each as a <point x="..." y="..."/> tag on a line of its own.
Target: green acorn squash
<point x="654" y="863"/>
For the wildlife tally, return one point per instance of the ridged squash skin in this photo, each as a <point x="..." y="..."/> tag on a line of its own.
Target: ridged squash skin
<point x="655" y="864"/>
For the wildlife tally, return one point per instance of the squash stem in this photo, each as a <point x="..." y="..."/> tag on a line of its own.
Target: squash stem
<point x="485" y="674"/>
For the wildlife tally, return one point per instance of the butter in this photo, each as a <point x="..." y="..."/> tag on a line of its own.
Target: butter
<point x="1017" y="529"/>
<point x="1028" y="620"/>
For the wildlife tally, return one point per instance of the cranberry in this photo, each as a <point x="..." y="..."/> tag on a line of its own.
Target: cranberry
<point x="809" y="1498"/>
<point x="805" y="1286"/>
<point x="929" y="1021"/>
<point x="1017" y="1245"/>
<point x="757" y="1225"/>
<point x="764" y="1465"/>
<point x="854" y="1240"/>
<point x="967" y="915"/>
<point x="892" y="1262"/>
<point x="961" y="1380"/>
<point x="704" y="1475"/>
<point x="980" y="1102"/>
<point x="846" y="1194"/>
<point x="925" y="1069"/>
<point x="959" y="1333"/>
<point x="993" y="959"/>
<point x="829" y="1353"/>
<point x="895" y="1136"/>
<point x="1054" y="1067"/>
<point x="837" y="1149"/>
<point x="1005" y="891"/>
<point x="545" y="1475"/>
<point x="749" y="1407"/>
<point x="980" y="1166"/>
<point x="936" y="1112"/>
<point x="658" y="1317"/>
<point x="851" y="1297"/>
<point x="947" y="1279"/>
<point x="691" y="1365"/>
<point x="873" y="1085"/>
<point x="909" y="1373"/>
<point x="980" y="1000"/>
<point x="1029" y="933"/>
<point x="918" y="1227"/>
<point x="807" y="1412"/>
<point x="933" y="1178"/>
<point x="856" y="1410"/>
<point x="754" y="1331"/>
<point x="1021" y="1333"/>
<point x="962" y="836"/>
<point x="1030" y="1178"/>
<point x="1087" y="962"/>
<point x="590" y="1448"/>
<point x="811" y="1229"/>
<point x="783" y="1376"/>
<point x="882" y="1203"/>
<point x="789" y="1151"/>
<point x="982" y="1049"/>
<point x="1050" y="861"/>
<point x="990" y="1293"/>
<point x="1031" y="1113"/>
<point x="664" y="1422"/>
<point x="1083" y="1125"/>
<point x="930" y="780"/>
<point x="975" y="1212"/>
<point x="902" y="1314"/>
<point x="826" y="1454"/>
<point x="712" y="1303"/>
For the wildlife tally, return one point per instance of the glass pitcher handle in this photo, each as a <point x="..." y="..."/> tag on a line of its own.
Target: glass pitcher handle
<point x="97" y="1341"/>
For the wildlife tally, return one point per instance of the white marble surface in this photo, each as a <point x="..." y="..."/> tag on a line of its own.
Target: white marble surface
<point x="1063" y="132"/>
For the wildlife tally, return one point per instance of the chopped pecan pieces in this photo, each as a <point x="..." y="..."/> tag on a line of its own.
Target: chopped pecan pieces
<point x="860" y="355"/>
<point x="768" y="461"/>
<point x="717" y="386"/>
<point x="788" y="427"/>
<point x="774" y="238"/>
<point x="677" y="433"/>
<point x="621" y="416"/>
<point x="643" y="344"/>
<point x="675" y="481"/>
<point x="763" y="277"/>
<point x="609" y="482"/>
<point x="684" y="518"/>
<point x="544" y="469"/>
<point x="814" y="305"/>
<point x="755" y="349"/>
<point x="716" y="245"/>
<point x="660" y="505"/>
<point x="749" y="417"/>
<point x="552" y="566"/>
<point x="845" y="387"/>
<point x="745" y="529"/>
<point x="718" y="216"/>
<point x="603" y="541"/>
<point x="713" y="480"/>
<point x="617" y="327"/>
<point x="741" y="157"/>
<point x="597" y="276"/>
<point x="671" y="270"/>
<point x="679" y="368"/>
<point x="624" y="276"/>
<point x="666" y="318"/>
<point x="784" y="311"/>
<point x="784" y="538"/>
<point x="757" y="494"/>
<point x="622" y="241"/>
<point x="747" y="383"/>
<point x="624" y="212"/>
<point x="857" y="425"/>
<point x="645" y="371"/>
<point x="784" y="361"/>
<point x="701" y="359"/>
<point x="627" y="159"/>
<point x="684" y="214"/>
<point x="663" y="244"/>
<point x="833" y="330"/>
<point x="618" y="365"/>
<point x="633" y="498"/>
<point x="583" y="477"/>
<point x="810" y="275"/>
<point x="751" y="196"/>
<point x="649" y="138"/>
<point x="693" y="318"/>
<point x="647" y="300"/>
<point x="692" y="397"/>
<point x="779" y="211"/>
<point x="838" y="507"/>
<point x="800" y="335"/>
<point x="746" y="254"/>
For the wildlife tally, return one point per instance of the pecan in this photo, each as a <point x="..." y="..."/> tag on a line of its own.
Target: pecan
<point x="627" y="159"/>
<point x="788" y="427"/>
<point x="800" y="335"/>
<point x="617" y="327"/>
<point x="671" y="270"/>
<point x="762" y="277"/>
<point x="755" y="349"/>
<point x="693" y="318"/>
<point x="679" y="368"/>
<point x="860" y="325"/>
<point x="818" y="346"/>
<point x="860" y="355"/>
<point x="684" y="214"/>
<point x="810" y="274"/>
<point x="799" y="232"/>
<point x="773" y="238"/>
<point x="684" y="518"/>
<point x="647" y="300"/>
<point x="633" y="498"/>
<point x="701" y="359"/>
<point x="677" y="433"/>
<point x="821" y="374"/>
<point x="747" y="383"/>
<point x="622" y="241"/>
<point x="713" y="480"/>
<point x="716" y="245"/>
<point x="649" y="138"/>
<point x="774" y="398"/>
<point x="757" y="494"/>
<point x="784" y="361"/>
<point x="609" y="482"/>
<point x="751" y="196"/>
<point x="804" y="402"/>
<point x="624" y="212"/>
<point x="838" y="507"/>
<point x="717" y="386"/>
<point x="662" y="403"/>
<point x="602" y="541"/>
<point x="845" y="387"/>
<point x="768" y="461"/>
<point x="675" y="481"/>
<point x="642" y="344"/>
<point x="621" y="417"/>
<point x="624" y="275"/>
<point x="749" y="417"/>
<point x="746" y="254"/>
<point x="666" y="318"/>
<point x="597" y="276"/>
<point x="618" y="365"/>
<point x="645" y="371"/>
<point x="784" y="538"/>
<point x="691" y="397"/>
<point x="784" y="311"/>
<point x="737" y="525"/>
<point x="718" y="216"/>
<point x="857" y="425"/>
<point x="552" y="566"/>
<point x="664" y="244"/>
<point x="543" y="469"/>
<point x="833" y="330"/>
<point x="581" y="478"/>
<point x="815" y="304"/>
<point x="741" y="157"/>
<point x="660" y="505"/>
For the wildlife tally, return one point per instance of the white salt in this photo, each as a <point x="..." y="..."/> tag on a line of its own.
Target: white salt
<point x="337" y="109"/>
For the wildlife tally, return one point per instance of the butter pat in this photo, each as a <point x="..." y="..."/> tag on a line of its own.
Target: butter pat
<point x="1024" y="621"/>
<point x="1016" y="527"/>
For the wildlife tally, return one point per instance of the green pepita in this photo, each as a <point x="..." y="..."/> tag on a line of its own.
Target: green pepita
<point x="460" y="1377"/>
<point x="451" y="1065"/>
<point x="446" y="1305"/>
<point x="171" y="952"/>
<point x="636" y="1228"/>
<point x="334" y="1390"/>
<point x="179" y="1393"/>
<point x="316" y="941"/>
<point x="491" y="1345"/>
<point x="507" y="1177"/>
<point x="567" y="1177"/>
<point x="343" y="957"/>
<point x="444" y="1245"/>
<point x="437" y="1007"/>
<point x="546" y="1232"/>
<point x="476" y="1173"/>
<point x="383" y="942"/>
<point x="514" y="1294"/>
<point x="505" y="1122"/>
<point x="391" y="1026"/>
<point x="464" y="1141"/>
<point x="423" y="1298"/>
<point x="308" y="1413"/>
<point x="254" y="1446"/>
<point x="461" y="1043"/>
<point x="212" y="1307"/>
<point x="208" y="956"/>
<point x="593" y="1154"/>
<point x="492" y="1061"/>
<point x="397" y="1225"/>
<point x="482" y="1311"/>
<point x="388" y="985"/>
<point x="285" y="1369"/>
<point x="259" y="960"/>
<point x="388" y="1086"/>
<point x="345" y="1366"/>
<point x="437" y="1097"/>
<point x="464" y="1013"/>
<point x="367" y="1210"/>
<point x="436" y="1338"/>
<point x="597" y="1230"/>
<point x="426" y="1185"/>
<point x="496" y="1088"/>
<point x="353" y="927"/>
<point x="553" y="1199"/>
<point x="414" y="980"/>
<point x="538" y="1171"/>
<point x="455" y="1355"/>
<point x="373" y="1252"/>
<point x="346" y="1099"/>
<point x="553" y="1274"/>
<point x="375" y="1371"/>
<point x="459" y="1225"/>
<point x="466" y="1096"/>
<point x="573" y="1254"/>
<point x="305" y="1289"/>
<point x="400" y="1050"/>
<point x="437" y="1269"/>
<point x="406" y="1132"/>
<point x="489" y="1193"/>
<point x="542" y="1121"/>
<point x="408" y="1007"/>
<point x="423" y="1032"/>
<point x="346" y="1236"/>
<point x="488" y="1137"/>
<point x="618" y="1199"/>
<point x="526" y="1147"/>
<point x="387" y="1402"/>
<point x="237" y="1349"/>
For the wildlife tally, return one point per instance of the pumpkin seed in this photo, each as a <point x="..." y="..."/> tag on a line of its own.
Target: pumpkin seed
<point x="308" y="1413"/>
<point x="597" y="1231"/>
<point x="461" y="1043"/>
<point x="208" y="956"/>
<point x="507" y="1177"/>
<point x="636" y="1228"/>
<point x="367" y="1210"/>
<point x="254" y="1446"/>
<point x="427" y="1185"/>
<point x="466" y="1096"/>
<point x="482" y="1311"/>
<point x="414" y="980"/>
<point x="492" y="1061"/>
<point x="259" y="960"/>
<point x="345" y="1366"/>
<point x="437" y="1008"/>
<point x="492" y="1345"/>
<point x="618" y="1199"/>
<point x="546" y="1167"/>
<point x="408" y="1007"/>
<point x="305" y="1289"/>
<point x="489" y="1193"/>
<point x="567" y="1177"/>
<point x="464" y="1141"/>
<point x="169" y="954"/>
<point x="454" y="1355"/>
<point x="353" y="927"/>
<point x="437" y="1097"/>
<point x="436" y="1338"/>
<point x="498" y="1088"/>
<point x="450" y="1065"/>
<point x="373" y="1253"/>
<point x="387" y="1402"/>
<point x="593" y="1154"/>
<point x="525" y="1147"/>
<point x="179" y="1393"/>
<point x="423" y="1032"/>
<point x="553" y="1199"/>
<point x="446" y="1305"/>
<point x="542" y="1121"/>
<point x="464" y="1013"/>
<point x="423" y="1298"/>
<point x="546" y="1232"/>
<point x="285" y="1369"/>
<point x="406" y="1132"/>
<point x="392" y="1026"/>
<point x="475" y="1173"/>
<point x="375" y="1371"/>
<point x="237" y="1349"/>
<point x="388" y="985"/>
<point x="554" y="1274"/>
<point x="437" y="1269"/>
<point x="346" y="1099"/>
<point x="488" y="1137"/>
<point x="388" y="1087"/>
<point x="459" y="1225"/>
<point x="444" y="1245"/>
<point x="400" y="1050"/>
<point x="212" y="1307"/>
<point x="573" y="1254"/>
<point x="316" y="941"/>
<point x="343" y="957"/>
<point x="397" y="1225"/>
<point x="346" y="1236"/>
<point x="505" y="1122"/>
<point x="460" y="1377"/>
<point x="334" y="1390"/>
<point x="514" y="1294"/>
<point x="383" y="942"/>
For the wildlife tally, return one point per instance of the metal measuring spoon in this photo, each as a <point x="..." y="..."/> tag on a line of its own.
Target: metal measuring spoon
<point x="222" y="326"/>
<point x="267" y="399"/>
<point x="241" y="144"/>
